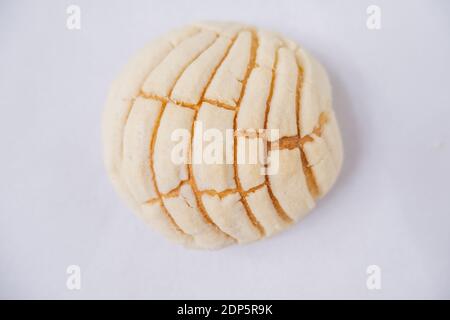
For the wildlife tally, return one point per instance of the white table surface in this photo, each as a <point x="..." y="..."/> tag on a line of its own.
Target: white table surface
<point x="390" y="207"/>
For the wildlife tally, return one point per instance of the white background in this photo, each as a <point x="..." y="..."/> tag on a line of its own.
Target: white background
<point x="390" y="207"/>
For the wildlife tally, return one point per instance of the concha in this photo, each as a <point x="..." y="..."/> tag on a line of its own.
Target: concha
<point x="226" y="77"/>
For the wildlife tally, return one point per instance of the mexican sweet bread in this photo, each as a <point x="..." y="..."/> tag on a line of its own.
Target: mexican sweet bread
<point x="221" y="76"/>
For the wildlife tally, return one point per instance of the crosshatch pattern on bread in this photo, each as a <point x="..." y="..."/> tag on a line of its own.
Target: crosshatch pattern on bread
<point x="226" y="76"/>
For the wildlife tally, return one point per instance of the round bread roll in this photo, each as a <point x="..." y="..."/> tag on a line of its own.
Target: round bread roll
<point x="208" y="80"/>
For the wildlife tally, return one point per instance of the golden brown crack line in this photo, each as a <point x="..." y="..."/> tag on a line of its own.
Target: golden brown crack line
<point x="311" y="180"/>
<point x="175" y="192"/>
<point x="184" y="104"/>
<point x="307" y="167"/>
<point x="219" y="104"/>
<point x="250" y="67"/>
<point x="168" y="100"/>
<point x="278" y="208"/>
<point x="153" y="175"/>
<point x="254" y="189"/>
<point x="293" y="142"/>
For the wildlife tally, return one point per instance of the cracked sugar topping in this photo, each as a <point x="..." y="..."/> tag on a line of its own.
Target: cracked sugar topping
<point x="218" y="77"/>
